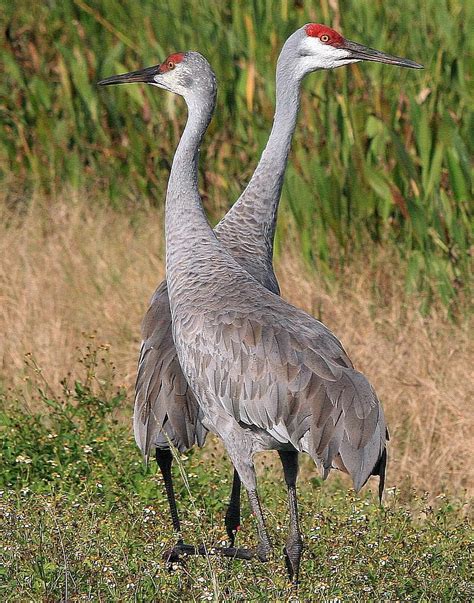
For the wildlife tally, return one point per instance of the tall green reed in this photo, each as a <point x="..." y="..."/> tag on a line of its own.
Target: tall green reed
<point x="381" y="155"/>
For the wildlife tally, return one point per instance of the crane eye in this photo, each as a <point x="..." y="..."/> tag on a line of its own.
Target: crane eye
<point x="170" y="65"/>
<point x="324" y="38"/>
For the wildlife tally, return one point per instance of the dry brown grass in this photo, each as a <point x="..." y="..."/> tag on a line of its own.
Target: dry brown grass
<point x="69" y="268"/>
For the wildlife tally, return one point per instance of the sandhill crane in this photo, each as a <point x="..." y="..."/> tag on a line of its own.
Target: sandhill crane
<point x="266" y="375"/>
<point x="165" y="407"/>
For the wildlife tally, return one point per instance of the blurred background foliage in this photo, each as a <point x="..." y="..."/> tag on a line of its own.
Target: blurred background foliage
<point x="381" y="155"/>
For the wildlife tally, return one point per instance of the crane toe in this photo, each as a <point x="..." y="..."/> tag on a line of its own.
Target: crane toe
<point x="179" y="552"/>
<point x="293" y="551"/>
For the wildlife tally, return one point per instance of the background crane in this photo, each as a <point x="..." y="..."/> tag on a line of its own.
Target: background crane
<point x="165" y="407"/>
<point x="266" y="375"/>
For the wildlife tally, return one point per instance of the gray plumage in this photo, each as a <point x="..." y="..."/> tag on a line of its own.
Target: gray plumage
<point x="266" y="375"/>
<point x="165" y="408"/>
<point x="262" y="374"/>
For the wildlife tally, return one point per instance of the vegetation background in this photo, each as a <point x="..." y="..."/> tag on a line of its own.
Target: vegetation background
<point x="374" y="237"/>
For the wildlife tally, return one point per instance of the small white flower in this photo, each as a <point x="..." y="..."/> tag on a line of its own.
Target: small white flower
<point x="23" y="459"/>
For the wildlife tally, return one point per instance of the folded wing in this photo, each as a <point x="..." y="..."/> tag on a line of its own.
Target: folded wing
<point x="165" y="407"/>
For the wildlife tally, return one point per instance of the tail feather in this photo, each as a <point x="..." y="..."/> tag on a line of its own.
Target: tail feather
<point x="379" y="470"/>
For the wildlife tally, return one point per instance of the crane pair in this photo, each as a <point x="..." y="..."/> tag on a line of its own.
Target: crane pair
<point x="221" y="351"/>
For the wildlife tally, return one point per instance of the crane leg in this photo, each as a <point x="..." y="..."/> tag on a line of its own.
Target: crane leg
<point x="164" y="458"/>
<point x="232" y="516"/>
<point x="294" y="544"/>
<point x="238" y="444"/>
<point x="264" y="548"/>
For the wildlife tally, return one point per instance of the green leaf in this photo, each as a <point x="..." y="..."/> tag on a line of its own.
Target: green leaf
<point x="456" y="176"/>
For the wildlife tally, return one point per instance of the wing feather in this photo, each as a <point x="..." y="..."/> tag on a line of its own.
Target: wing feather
<point x="300" y="387"/>
<point x="165" y="407"/>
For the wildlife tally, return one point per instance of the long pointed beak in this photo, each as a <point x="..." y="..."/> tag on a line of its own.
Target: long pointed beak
<point x="146" y="75"/>
<point x="364" y="53"/>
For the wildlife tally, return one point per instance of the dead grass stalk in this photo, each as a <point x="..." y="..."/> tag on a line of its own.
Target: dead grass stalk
<point x="69" y="268"/>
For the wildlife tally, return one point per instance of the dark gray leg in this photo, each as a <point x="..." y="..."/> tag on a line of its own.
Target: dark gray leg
<point x="232" y="517"/>
<point x="264" y="547"/>
<point x="238" y="444"/>
<point x="294" y="543"/>
<point x="164" y="458"/>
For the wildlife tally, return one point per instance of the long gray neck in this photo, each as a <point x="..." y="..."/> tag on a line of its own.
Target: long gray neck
<point x="252" y="219"/>
<point x="187" y="228"/>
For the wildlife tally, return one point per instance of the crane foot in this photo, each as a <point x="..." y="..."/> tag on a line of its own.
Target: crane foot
<point x="181" y="550"/>
<point x="292" y="561"/>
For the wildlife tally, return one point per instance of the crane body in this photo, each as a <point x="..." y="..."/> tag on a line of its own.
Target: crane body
<point x="265" y="375"/>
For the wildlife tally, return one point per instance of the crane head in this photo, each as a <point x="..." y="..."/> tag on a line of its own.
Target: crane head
<point x="320" y="47"/>
<point x="184" y="73"/>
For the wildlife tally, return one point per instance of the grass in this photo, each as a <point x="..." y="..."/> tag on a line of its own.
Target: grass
<point x="83" y="520"/>
<point x="373" y="238"/>
<point x="80" y="517"/>
<point x="380" y="155"/>
<point x="102" y="266"/>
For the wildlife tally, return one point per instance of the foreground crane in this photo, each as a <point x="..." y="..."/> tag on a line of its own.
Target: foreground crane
<point x="165" y="407"/>
<point x="265" y="375"/>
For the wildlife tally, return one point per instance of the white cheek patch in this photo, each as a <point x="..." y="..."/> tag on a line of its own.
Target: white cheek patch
<point x="311" y="46"/>
<point x="159" y="83"/>
<point x="324" y="56"/>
